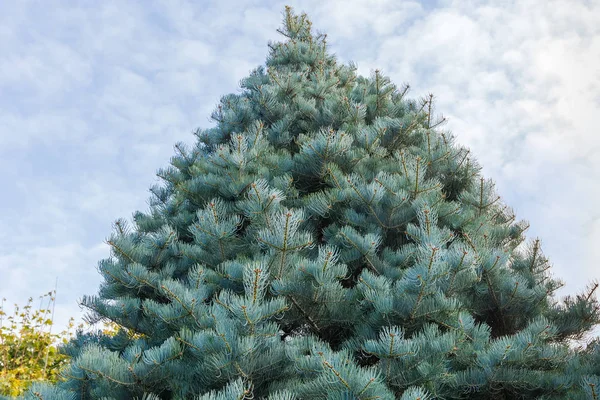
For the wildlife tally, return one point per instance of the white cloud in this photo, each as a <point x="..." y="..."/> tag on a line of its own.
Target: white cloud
<point x="72" y="264"/>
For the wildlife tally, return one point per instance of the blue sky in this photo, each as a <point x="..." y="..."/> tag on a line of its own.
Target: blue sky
<point x="93" y="98"/>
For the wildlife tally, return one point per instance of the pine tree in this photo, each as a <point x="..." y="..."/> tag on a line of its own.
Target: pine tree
<point x="327" y="239"/>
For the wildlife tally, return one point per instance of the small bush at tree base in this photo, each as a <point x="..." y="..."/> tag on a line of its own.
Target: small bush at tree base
<point x="28" y="348"/>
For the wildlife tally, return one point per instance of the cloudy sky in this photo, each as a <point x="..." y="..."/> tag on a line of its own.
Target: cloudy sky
<point x="93" y="98"/>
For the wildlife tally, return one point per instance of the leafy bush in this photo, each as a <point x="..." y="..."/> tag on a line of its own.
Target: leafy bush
<point x="28" y="348"/>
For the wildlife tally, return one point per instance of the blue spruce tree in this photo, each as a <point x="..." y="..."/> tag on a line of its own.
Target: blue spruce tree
<point x="328" y="240"/>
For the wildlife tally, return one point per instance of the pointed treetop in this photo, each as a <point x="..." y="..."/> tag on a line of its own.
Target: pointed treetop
<point x="296" y="27"/>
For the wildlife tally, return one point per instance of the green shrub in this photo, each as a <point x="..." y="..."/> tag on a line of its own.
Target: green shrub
<point x="28" y="348"/>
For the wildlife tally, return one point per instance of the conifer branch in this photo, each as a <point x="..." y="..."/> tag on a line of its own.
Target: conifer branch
<point x="305" y="314"/>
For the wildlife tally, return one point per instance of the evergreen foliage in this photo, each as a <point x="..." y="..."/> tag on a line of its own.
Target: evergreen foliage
<point x="328" y="240"/>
